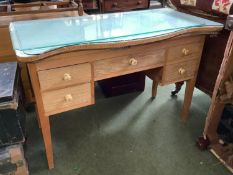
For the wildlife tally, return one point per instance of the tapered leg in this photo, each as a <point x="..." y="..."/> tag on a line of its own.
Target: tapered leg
<point x="154" y="88"/>
<point x="45" y="127"/>
<point x="155" y="76"/>
<point x="43" y="119"/>
<point x="190" y="84"/>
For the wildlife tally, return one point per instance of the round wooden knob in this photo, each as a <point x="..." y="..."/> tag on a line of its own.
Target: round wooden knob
<point x="182" y="71"/>
<point x="185" y="51"/>
<point x="68" y="98"/>
<point x="139" y="2"/>
<point x="67" y="77"/>
<point x="133" y="62"/>
<point x="114" y="4"/>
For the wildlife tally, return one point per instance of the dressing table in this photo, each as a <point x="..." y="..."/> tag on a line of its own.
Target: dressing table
<point x="66" y="59"/>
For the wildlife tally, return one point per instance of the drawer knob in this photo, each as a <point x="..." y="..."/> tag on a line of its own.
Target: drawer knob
<point x="114" y="4"/>
<point x="68" y="98"/>
<point x="185" y="51"/>
<point x="67" y="77"/>
<point x="133" y="62"/>
<point x="182" y="71"/>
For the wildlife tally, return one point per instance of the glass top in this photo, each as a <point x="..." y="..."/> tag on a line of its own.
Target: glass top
<point x="38" y="36"/>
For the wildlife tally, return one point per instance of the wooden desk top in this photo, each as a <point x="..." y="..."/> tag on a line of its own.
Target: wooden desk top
<point x="31" y="42"/>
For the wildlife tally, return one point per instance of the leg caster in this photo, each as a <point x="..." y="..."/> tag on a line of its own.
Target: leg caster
<point x="203" y="143"/>
<point x="177" y="89"/>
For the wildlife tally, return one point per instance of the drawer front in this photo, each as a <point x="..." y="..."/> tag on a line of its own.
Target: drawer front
<point x="66" y="99"/>
<point x="185" y="51"/>
<point x="180" y="71"/>
<point x="120" y="5"/>
<point x="128" y="64"/>
<point x="64" y="76"/>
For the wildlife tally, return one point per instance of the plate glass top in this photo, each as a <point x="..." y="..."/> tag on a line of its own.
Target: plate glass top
<point x="38" y="36"/>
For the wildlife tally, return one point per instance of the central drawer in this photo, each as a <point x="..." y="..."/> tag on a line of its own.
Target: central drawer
<point x="64" y="76"/>
<point x="61" y="100"/>
<point x="128" y="64"/>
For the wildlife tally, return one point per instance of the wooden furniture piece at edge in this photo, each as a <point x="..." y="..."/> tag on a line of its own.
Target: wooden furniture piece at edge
<point x="90" y="4"/>
<point x="41" y="7"/>
<point x="166" y="59"/>
<point x="122" y="5"/>
<point x="221" y="96"/>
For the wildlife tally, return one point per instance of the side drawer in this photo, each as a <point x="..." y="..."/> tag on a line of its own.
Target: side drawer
<point x="64" y="76"/>
<point x="68" y="98"/>
<point x="185" y="51"/>
<point x="128" y="64"/>
<point x="179" y="71"/>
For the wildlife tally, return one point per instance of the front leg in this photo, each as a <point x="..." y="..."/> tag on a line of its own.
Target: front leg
<point x="45" y="127"/>
<point x="42" y="118"/>
<point x="190" y="84"/>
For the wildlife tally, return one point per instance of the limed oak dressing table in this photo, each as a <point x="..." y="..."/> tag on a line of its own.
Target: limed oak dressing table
<point x="65" y="56"/>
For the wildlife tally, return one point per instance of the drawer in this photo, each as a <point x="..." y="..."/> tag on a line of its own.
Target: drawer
<point x="185" y="51"/>
<point x="122" y="5"/>
<point x="180" y="71"/>
<point x="64" y="76"/>
<point x="128" y="64"/>
<point x="68" y="98"/>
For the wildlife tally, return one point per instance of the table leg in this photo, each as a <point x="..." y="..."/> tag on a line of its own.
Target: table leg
<point x="45" y="127"/>
<point x="154" y="88"/>
<point x="155" y="76"/>
<point x="190" y="84"/>
<point x="43" y="119"/>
